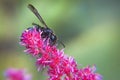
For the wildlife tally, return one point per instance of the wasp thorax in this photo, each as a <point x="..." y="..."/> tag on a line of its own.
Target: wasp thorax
<point x="46" y="32"/>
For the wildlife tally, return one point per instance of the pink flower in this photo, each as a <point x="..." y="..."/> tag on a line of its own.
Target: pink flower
<point x="31" y="40"/>
<point x="15" y="74"/>
<point x="59" y="66"/>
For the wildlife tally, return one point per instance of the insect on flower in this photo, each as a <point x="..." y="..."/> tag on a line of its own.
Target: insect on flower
<point x="47" y="33"/>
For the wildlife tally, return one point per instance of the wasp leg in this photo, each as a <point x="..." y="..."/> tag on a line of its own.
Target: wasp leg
<point x="36" y="25"/>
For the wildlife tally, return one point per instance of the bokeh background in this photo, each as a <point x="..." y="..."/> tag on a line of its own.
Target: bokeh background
<point x="90" y="29"/>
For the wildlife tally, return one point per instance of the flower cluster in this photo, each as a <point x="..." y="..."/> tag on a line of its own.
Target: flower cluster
<point x="59" y="66"/>
<point x="16" y="74"/>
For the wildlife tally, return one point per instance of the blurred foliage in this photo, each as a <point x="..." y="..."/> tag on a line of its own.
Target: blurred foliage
<point x="90" y="29"/>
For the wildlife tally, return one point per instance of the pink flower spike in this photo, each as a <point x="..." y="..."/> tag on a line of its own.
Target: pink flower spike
<point x="58" y="65"/>
<point x="17" y="74"/>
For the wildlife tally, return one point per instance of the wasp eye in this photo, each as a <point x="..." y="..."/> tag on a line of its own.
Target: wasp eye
<point x="53" y="37"/>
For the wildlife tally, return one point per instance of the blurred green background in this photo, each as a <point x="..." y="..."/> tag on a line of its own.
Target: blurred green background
<point x="90" y="29"/>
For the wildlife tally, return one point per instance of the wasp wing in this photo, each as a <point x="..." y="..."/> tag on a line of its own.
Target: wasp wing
<point x="34" y="10"/>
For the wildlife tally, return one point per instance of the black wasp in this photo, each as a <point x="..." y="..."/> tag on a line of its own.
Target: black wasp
<point x="47" y="33"/>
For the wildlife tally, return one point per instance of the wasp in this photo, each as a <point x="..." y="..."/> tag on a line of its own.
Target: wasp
<point x="47" y="33"/>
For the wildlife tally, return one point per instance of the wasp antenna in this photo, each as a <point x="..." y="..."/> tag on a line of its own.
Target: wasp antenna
<point x="34" y="10"/>
<point x="62" y="43"/>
